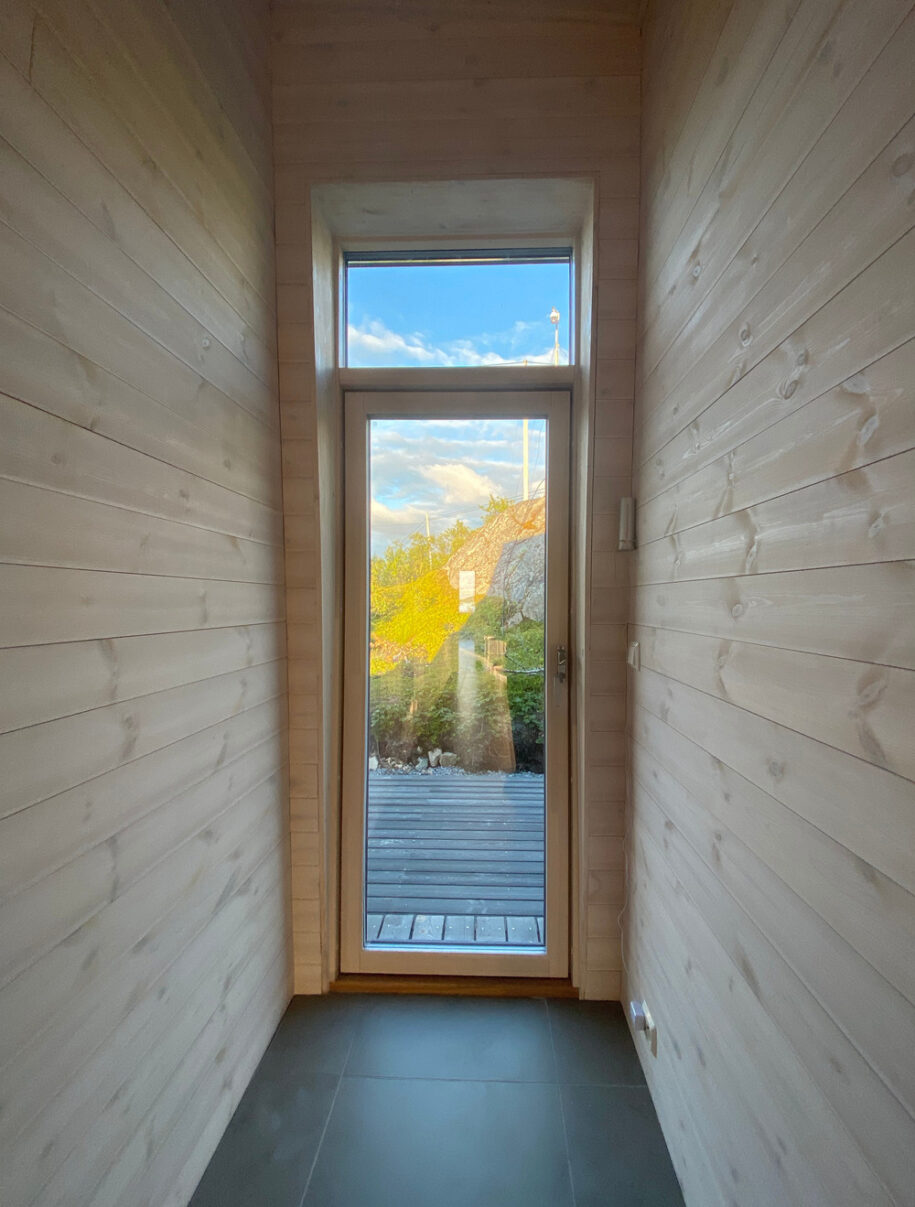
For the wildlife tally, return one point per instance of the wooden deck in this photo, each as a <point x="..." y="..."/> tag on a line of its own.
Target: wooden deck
<point x="455" y="859"/>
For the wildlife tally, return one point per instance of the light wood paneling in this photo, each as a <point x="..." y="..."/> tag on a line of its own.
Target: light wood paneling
<point x="144" y="958"/>
<point x="865" y="515"/>
<point x="770" y="917"/>
<point x="833" y="80"/>
<point x="735" y="907"/>
<point x="436" y="92"/>
<point x="865" y="418"/>
<point x="863" y="709"/>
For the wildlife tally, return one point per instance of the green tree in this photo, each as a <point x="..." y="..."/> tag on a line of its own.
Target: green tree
<point x="524" y="667"/>
<point x="494" y="506"/>
<point x="407" y="560"/>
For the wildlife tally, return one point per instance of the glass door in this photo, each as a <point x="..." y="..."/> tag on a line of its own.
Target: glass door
<point x="455" y="777"/>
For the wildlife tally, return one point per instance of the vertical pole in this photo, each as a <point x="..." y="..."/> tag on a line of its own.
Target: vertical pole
<point x="525" y="473"/>
<point x="428" y="541"/>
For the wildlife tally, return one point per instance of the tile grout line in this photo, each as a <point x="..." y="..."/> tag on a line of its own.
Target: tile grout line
<point x="330" y="1111"/>
<point x="562" y="1109"/>
<point x="598" y="1085"/>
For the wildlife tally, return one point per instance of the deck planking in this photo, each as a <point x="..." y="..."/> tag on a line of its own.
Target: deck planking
<point x="455" y="859"/>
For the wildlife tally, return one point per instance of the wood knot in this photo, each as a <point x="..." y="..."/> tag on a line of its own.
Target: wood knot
<point x="745" y="335"/>
<point x="878" y="524"/>
<point x="749" y="975"/>
<point x="871" y="687"/>
<point x="902" y="164"/>
<point x="868" y="428"/>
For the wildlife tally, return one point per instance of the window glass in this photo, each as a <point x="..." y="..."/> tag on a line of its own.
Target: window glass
<point x="444" y="309"/>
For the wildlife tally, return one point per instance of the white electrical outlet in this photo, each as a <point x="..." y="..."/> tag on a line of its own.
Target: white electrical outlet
<point x="638" y="1012"/>
<point x="642" y="1021"/>
<point x="633" y="657"/>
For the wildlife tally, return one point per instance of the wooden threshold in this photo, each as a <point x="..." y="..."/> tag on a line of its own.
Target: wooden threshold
<point x="457" y="986"/>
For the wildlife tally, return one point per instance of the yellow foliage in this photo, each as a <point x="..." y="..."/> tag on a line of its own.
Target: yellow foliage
<point x="413" y="620"/>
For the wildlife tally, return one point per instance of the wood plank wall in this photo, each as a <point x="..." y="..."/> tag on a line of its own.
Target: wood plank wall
<point x="425" y="90"/>
<point x="771" y="925"/>
<point x="143" y="830"/>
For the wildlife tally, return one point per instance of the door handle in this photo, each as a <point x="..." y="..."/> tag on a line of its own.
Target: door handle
<point x="562" y="663"/>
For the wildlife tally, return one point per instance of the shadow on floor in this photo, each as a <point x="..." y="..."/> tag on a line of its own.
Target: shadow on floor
<point x="447" y="1102"/>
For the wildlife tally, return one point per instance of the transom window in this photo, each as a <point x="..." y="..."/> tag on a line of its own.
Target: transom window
<point x="457" y="308"/>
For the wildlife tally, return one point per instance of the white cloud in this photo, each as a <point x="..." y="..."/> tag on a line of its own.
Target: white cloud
<point x="373" y="340"/>
<point x="396" y="517"/>
<point x="374" y="344"/>
<point x="459" y="482"/>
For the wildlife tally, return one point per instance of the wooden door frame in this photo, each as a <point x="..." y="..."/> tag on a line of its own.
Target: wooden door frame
<point x="475" y="398"/>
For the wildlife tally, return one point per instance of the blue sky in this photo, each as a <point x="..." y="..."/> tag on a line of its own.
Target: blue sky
<point x="446" y="469"/>
<point x="466" y="314"/>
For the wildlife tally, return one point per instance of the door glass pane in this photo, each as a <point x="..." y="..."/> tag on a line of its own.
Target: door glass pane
<point x="456" y="719"/>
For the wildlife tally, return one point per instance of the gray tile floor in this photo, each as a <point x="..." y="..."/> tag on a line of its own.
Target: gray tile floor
<point x="447" y="1102"/>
